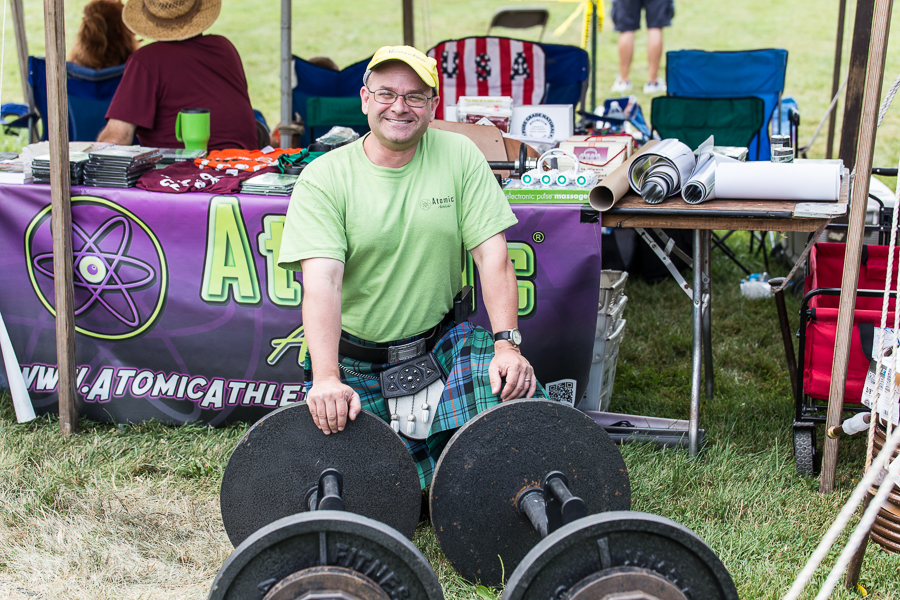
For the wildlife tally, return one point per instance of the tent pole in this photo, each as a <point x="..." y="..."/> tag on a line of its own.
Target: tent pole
<point x="18" y="16"/>
<point x="61" y="221"/>
<point x="856" y="81"/>
<point x="836" y="81"/>
<point x="853" y="249"/>
<point x="286" y="64"/>
<point x="408" y="24"/>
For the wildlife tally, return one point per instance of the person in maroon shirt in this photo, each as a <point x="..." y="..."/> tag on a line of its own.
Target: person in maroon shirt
<point x="183" y="69"/>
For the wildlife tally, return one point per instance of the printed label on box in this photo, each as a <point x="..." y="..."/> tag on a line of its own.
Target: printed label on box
<point x="538" y="125"/>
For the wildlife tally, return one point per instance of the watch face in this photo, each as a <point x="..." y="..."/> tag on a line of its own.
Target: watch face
<point x="515" y="337"/>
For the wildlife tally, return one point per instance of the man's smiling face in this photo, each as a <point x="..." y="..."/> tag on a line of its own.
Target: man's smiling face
<point x="396" y="126"/>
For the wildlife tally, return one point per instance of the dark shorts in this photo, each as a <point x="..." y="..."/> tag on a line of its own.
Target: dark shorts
<point x="626" y="14"/>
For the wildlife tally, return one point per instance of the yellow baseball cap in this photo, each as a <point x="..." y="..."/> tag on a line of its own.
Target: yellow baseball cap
<point x="424" y="66"/>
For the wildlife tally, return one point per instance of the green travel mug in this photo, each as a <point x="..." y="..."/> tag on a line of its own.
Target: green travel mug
<point x="192" y="128"/>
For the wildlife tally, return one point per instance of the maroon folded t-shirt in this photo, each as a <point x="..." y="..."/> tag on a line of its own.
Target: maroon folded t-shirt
<point x="184" y="177"/>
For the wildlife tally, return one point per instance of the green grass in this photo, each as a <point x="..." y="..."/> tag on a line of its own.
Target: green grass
<point x="134" y="509"/>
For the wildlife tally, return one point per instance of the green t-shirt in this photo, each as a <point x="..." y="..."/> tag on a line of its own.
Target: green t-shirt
<point x="399" y="232"/>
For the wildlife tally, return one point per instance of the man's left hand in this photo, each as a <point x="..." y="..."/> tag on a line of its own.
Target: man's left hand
<point x="508" y="362"/>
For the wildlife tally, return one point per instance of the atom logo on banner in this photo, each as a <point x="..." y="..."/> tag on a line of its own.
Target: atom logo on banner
<point x="120" y="274"/>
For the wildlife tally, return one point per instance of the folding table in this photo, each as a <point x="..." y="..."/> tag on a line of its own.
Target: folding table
<point x="742" y="215"/>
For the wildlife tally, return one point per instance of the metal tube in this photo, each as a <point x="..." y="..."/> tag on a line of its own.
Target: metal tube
<point x="707" y="317"/>
<point x="696" y="353"/>
<point x="560" y="490"/>
<point x="286" y="66"/>
<point x="531" y="504"/>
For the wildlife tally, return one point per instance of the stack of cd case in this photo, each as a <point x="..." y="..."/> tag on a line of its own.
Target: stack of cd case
<point x="270" y="184"/>
<point x="171" y="156"/>
<point x="119" y="166"/>
<point x="40" y="168"/>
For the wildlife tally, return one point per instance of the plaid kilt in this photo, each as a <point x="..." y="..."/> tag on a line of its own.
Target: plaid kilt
<point x="464" y="353"/>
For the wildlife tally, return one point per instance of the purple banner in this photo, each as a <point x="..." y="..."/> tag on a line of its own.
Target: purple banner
<point x="183" y="316"/>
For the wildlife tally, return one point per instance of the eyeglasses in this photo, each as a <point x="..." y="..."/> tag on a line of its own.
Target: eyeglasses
<point x="413" y="100"/>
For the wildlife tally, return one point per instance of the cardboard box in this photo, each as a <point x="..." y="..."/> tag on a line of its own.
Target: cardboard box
<point x="549" y="122"/>
<point x="598" y="156"/>
<point x="608" y="137"/>
<point x="554" y="122"/>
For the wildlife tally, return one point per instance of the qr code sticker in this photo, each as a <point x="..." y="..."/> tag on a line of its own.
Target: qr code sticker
<point x="562" y="390"/>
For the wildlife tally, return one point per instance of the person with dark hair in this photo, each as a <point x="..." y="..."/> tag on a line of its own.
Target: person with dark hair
<point x="103" y="40"/>
<point x="182" y="69"/>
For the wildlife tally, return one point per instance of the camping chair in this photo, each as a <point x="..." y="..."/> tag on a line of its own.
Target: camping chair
<point x="314" y="81"/>
<point x="331" y="112"/>
<point x="90" y="92"/>
<point x="516" y="17"/>
<point x="529" y="72"/>
<point x="733" y="121"/>
<point x="760" y="73"/>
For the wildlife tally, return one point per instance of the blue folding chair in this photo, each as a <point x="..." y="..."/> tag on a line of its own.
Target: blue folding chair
<point x="702" y="74"/>
<point x="567" y="74"/>
<point x="314" y="81"/>
<point x="90" y="92"/>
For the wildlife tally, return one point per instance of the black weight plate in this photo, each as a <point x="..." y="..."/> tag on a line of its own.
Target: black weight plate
<point x="620" y="539"/>
<point x="503" y="451"/>
<point x="325" y="538"/>
<point x="280" y="459"/>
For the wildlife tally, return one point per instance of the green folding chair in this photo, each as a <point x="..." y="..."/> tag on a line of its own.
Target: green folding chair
<point x="733" y="122"/>
<point x="332" y="112"/>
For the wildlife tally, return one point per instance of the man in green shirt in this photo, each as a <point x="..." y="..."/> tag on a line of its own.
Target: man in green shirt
<point x="380" y="228"/>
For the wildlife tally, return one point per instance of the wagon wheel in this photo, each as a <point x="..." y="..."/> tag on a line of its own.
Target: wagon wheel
<point x="805" y="449"/>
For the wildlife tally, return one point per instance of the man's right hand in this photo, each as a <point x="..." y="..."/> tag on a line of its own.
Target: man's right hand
<point x="330" y="402"/>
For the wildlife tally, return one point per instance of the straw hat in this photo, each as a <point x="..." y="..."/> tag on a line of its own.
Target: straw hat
<point x="170" y="20"/>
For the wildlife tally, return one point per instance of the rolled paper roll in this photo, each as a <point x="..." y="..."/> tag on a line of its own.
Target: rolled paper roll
<point x="807" y="181"/>
<point x="669" y="159"/>
<point x="702" y="184"/>
<point x="609" y="190"/>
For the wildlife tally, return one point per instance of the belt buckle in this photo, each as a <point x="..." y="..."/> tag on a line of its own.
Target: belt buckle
<point x="406" y="352"/>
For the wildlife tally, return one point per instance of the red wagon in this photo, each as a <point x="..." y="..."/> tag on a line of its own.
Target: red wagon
<point x="818" y="331"/>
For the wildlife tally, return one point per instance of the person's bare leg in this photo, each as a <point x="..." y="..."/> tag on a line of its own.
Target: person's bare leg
<point x="654" y="52"/>
<point x="626" y="52"/>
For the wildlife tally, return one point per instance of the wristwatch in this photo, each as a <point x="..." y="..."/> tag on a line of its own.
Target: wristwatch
<point x="513" y="336"/>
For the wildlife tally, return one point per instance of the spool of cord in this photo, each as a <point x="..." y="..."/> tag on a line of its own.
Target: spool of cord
<point x="531" y="177"/>
<point x="565" y="178"/>
<point x="586" y="179"/>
